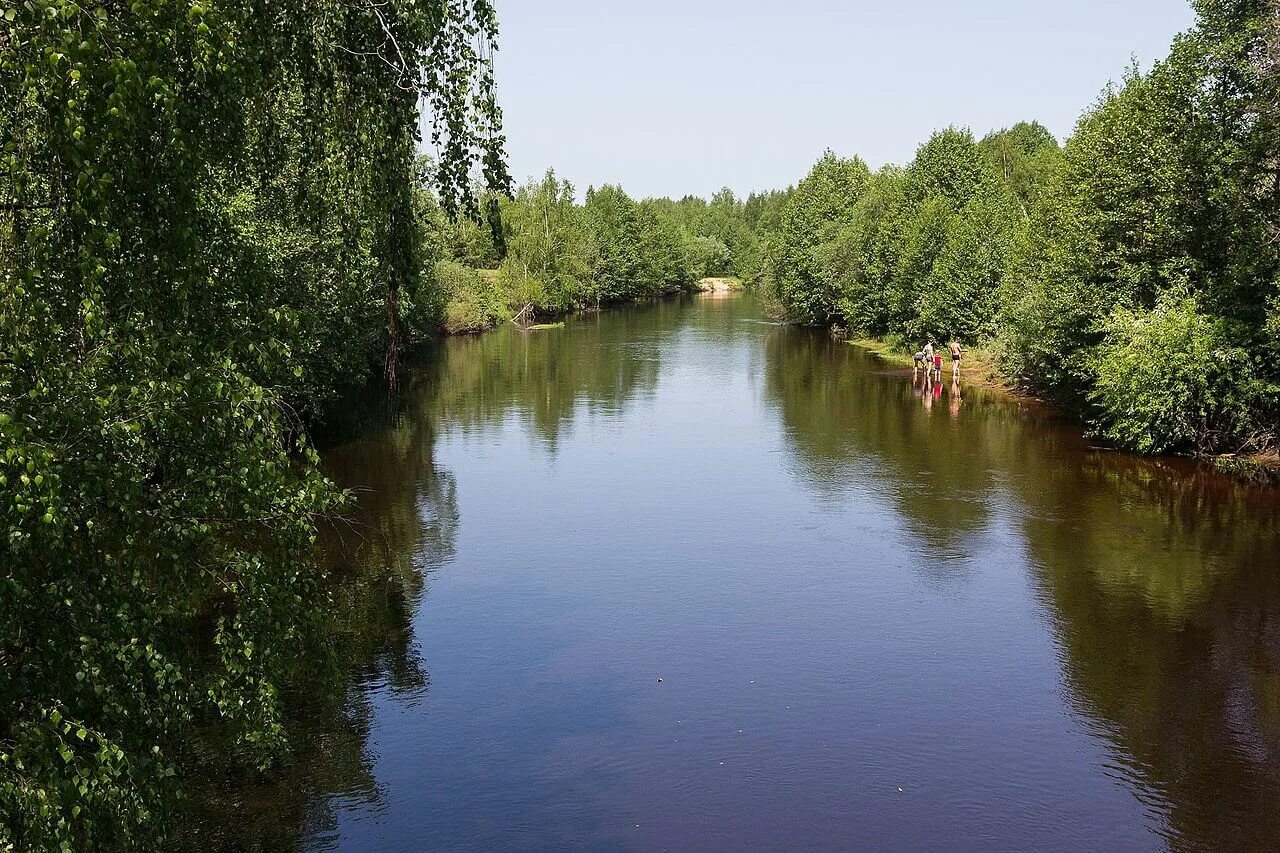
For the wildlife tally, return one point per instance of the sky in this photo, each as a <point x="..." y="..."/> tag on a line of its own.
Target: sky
<point x="675" y="97"/>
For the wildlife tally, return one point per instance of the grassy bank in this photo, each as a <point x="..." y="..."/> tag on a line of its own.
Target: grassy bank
<point x="886" y="352"/>
<point x="978" y="365"/>
<point x="981" y="367"/>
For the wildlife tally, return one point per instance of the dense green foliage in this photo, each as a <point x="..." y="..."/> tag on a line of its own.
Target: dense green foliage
<point x="1132" y="274"/>
<point x="560" y="255"/>
<point x="815" y="211"/>
<point x="635" y="251"/>
<point x="207" y="226"/>
<point x="473" y="301"/>
<point x="1204" y="380"/>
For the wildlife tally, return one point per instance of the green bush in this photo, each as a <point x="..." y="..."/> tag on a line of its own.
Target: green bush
<point x="711" y="257"/>
<point x="863" y="259"/>
<point x="546" y="265"/>
<point x="1168" y="379"/>
<point x="896" y="343"/>
<point x="474" y="301"/>
<point x="524" y="292"/>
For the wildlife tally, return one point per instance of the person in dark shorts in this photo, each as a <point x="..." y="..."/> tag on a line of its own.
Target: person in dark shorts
<point x="956" y="352"/>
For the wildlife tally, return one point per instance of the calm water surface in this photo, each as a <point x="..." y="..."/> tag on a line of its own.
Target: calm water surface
<point x="675" y="578"/>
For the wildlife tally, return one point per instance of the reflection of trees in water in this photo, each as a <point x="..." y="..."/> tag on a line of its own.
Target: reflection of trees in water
<point x="1162" y="582"/>
<point x="1167" y="600"/>
<point x="403" y="526"/>
<point x="1163" y="588"/>
<point x="846" y="425"/>
<point x="598" y="361"/>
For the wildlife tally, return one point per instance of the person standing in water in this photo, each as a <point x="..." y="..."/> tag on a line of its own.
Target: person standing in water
<point x="956" y="352"/>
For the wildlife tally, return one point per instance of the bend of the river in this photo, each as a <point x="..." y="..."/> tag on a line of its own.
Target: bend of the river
<point x="675" y="578"/>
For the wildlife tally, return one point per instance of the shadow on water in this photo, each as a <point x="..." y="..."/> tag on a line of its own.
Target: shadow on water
<point x="379" y="558"/>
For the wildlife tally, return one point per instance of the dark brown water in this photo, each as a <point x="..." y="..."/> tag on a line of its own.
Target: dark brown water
<point x="674" y="578"/>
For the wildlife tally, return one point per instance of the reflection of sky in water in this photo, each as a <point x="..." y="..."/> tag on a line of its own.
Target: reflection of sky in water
<point x="844" y="594"/>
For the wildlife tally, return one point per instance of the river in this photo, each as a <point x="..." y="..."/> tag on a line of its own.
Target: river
<point x="673" y="577"/>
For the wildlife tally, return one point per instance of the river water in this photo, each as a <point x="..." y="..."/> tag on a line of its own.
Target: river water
<point x="675" y="578"/>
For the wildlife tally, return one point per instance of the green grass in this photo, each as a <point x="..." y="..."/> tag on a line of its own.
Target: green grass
<point x="979" y="365"/>
<point x="883" y="351"/>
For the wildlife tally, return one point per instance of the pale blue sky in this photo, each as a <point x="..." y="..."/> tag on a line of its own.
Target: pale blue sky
<point x="675" y="96"/>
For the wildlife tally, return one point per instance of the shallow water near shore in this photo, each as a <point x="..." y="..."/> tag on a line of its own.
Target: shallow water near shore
<point x="673" y="578"/>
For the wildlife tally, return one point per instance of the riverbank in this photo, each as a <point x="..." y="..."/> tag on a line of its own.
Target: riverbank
<point x="1262" y="469"/>
<point x="720" y="284"/>
<point x="980" y="367"/>
<point x="478" y="301"/>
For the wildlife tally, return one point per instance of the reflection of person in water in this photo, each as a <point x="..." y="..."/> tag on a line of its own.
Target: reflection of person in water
<point x="954" y="398"/>
<point x="917" y="385"/>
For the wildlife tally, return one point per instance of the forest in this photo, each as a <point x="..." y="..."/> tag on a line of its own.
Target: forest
<point x="215" y="220"/>
<point x="549" y="254"/>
